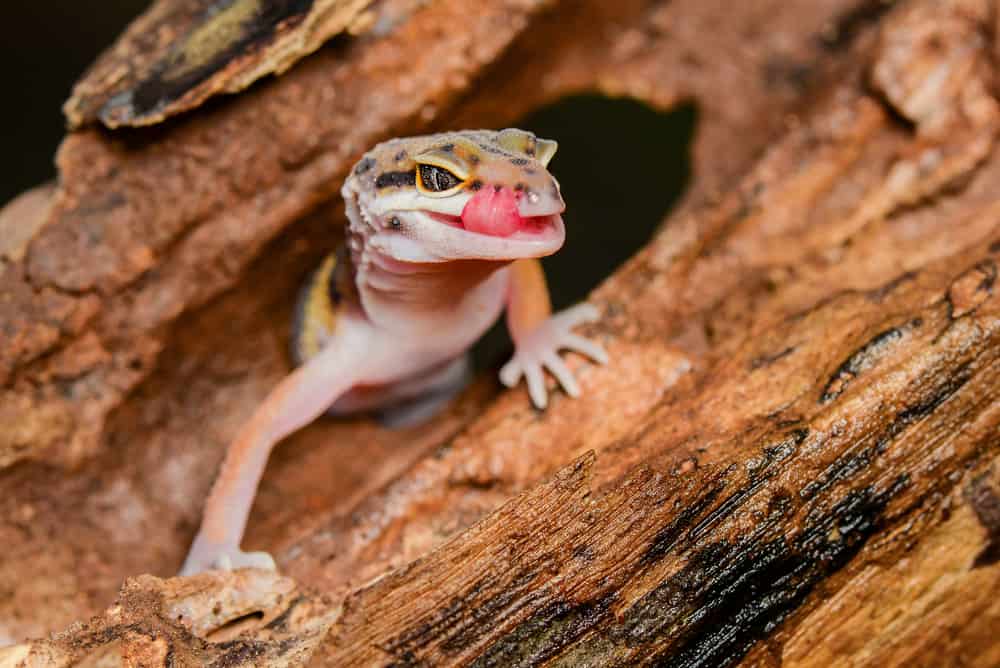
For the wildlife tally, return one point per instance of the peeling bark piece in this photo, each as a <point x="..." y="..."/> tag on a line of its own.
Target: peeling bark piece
<point x="245" y="617"/>
<point x="201" y="48"/>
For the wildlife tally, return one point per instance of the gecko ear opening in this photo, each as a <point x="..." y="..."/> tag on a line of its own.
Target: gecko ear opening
<point x="544" y="150"/>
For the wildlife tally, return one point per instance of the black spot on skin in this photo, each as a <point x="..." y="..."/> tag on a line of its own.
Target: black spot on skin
<point x="401" y="156"/>
<point x="364" y="165"/>
<point x="396" y="179"/>
<point x="476" y="185"/>
<point x="447" y="148"/>
<point x="519" y="187"/>
<point x="520" y="162"/>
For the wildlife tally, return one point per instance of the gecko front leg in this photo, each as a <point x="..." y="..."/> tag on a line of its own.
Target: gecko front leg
<point x="539" y="336"/>
<point x="349" y="356"/>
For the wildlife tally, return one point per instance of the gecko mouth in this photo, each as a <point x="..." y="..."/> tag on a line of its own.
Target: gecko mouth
<point x="446" y="237"/>
<point x="453" y="221"/>
<point x="528" y="228"/>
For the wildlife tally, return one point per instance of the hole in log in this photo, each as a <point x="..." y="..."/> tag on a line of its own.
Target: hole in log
<point x="33" y="121"/>
<point x="621" y="166"/>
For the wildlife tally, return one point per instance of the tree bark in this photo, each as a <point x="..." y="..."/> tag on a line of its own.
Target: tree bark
<point x="793" y="458"/>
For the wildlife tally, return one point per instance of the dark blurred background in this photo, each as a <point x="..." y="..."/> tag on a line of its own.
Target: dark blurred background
<point x="46" y="45"/>
<point x="621" y="164"/>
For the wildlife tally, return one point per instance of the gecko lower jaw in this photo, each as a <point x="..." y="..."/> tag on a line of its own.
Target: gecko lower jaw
<point x="433" y="236"/>
<point x="531" y="227"/>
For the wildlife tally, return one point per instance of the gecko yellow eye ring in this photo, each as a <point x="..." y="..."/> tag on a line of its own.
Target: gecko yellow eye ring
<point x="444" y="236"/>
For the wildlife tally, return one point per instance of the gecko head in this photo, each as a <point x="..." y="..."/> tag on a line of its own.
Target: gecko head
<point x="472" y="195"/>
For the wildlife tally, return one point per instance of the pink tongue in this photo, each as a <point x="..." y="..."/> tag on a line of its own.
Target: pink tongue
<point x="492" y="212"/>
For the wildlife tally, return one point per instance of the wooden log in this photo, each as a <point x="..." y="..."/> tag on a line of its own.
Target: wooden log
<point x="793" y="459"/>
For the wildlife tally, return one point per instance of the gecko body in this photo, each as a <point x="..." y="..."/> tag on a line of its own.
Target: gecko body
<point x="444" y="235"/>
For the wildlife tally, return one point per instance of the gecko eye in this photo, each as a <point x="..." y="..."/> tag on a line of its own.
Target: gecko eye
<point x="437" y="179"/>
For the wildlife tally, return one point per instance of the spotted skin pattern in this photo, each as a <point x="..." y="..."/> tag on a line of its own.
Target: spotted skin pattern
<point x="444" y="235"/>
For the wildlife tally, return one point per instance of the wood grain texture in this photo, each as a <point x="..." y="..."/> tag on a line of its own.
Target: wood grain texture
<point x="793" y="459"/>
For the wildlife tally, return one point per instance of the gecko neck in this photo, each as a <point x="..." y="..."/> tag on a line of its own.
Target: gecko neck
<point x="457" y="300"/>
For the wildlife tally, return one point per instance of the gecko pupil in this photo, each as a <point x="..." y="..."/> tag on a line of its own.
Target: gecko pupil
<point x="436" y="179"/>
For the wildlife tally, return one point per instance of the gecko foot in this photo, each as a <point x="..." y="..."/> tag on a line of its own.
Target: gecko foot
<point x="208" y="557"/>
<point x="538" y="351"/>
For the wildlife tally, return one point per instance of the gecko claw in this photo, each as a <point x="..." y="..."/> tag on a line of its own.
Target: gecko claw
<point x="220" y="559"/>
<point x="538" y="352"/>
<point x="232" y="562"/>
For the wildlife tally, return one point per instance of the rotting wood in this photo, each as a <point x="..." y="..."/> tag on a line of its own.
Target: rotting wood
<point x="796" y="449"/>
